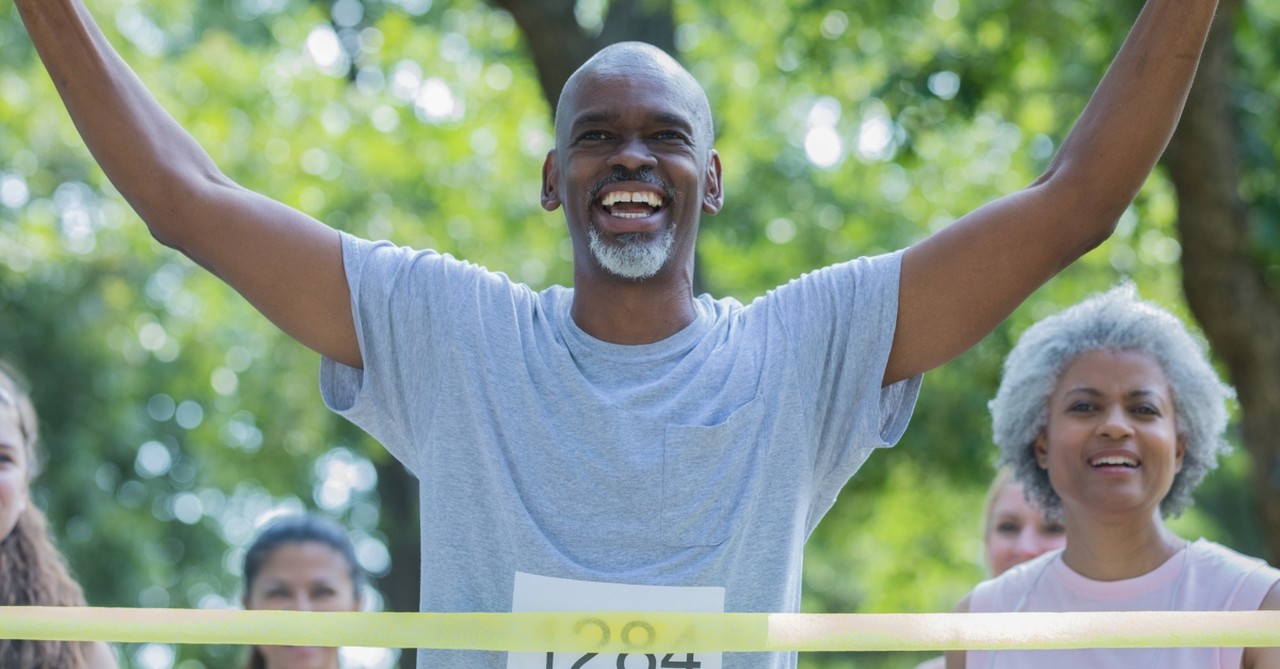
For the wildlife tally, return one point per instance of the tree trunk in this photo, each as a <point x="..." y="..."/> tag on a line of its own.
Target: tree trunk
<point x="1225" y="287"/>
<point x="558" y="45"/>
<point x="398" y="493"/>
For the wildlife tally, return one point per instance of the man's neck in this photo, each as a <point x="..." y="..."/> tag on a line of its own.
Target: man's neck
<point x="632" y="312"/>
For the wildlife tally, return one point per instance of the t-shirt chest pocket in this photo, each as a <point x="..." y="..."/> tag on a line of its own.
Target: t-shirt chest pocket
<point x="708" y="474"/>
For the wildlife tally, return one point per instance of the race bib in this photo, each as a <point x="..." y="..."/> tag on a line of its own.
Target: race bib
<point x="543" y="593"/>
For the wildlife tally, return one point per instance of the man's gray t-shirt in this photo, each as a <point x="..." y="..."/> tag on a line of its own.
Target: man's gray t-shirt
<point x="703" y="460"/>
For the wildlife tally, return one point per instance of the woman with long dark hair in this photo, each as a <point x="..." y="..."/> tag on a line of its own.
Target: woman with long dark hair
<point x="32" y="571"/>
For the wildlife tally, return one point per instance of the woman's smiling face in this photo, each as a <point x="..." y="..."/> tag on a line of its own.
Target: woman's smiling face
<point x="14" y="465"/>
<point x="1111" y="443"/>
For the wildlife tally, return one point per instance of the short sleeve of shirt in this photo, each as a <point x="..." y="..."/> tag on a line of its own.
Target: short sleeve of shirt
<point x="400" y="298"/>
<point x="840" y="322"/>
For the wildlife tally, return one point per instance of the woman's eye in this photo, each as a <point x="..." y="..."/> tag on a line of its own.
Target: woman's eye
<point x="1008" y="528"/>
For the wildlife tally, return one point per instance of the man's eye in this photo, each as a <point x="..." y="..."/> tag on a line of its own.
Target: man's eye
<point x="592" y="135"/>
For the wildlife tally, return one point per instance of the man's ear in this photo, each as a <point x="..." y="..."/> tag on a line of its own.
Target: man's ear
<point x="550" y="183"/>
<point x="713" y="195"/>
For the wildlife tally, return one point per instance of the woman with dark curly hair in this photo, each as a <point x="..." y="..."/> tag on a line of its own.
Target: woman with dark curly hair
<point x="1110" y="415"/>
<point x="32" y="571"/>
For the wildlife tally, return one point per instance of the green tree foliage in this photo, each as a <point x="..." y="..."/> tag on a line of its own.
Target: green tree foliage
<point x="176" y="416"/>
<point x="1259" y="106"/>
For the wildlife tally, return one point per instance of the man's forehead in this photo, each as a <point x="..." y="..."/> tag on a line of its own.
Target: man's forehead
<point x="589" y="85"/>
<point x="607" y="94"/>
<point x="633" y="67"/>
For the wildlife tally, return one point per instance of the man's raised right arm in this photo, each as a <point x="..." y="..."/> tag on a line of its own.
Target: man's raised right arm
<point x="287" y="264"/>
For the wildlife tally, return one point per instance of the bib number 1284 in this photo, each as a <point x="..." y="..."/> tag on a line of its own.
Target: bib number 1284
<point x="650" y="661"/>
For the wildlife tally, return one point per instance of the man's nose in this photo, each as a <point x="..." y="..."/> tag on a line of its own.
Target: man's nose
<point x="633" y="154"/>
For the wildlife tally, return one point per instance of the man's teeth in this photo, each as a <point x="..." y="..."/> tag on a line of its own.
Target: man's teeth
<point x="652" y="199"/>
<point x="1114" y="460"/>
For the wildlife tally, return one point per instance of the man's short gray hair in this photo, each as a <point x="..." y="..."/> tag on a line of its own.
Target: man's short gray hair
<point x="1115" y="320"/>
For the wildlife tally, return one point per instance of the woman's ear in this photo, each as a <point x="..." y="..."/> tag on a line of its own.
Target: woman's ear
<point x="1042" y="451"/>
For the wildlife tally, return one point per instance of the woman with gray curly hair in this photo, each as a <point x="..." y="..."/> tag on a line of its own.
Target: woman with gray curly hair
<point x="1110" y="415"/>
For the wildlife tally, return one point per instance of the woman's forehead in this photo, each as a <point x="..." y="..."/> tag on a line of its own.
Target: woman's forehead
<point x="12" y="436"/>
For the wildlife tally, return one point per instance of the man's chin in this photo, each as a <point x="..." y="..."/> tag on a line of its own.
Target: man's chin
<point x="632" y="256"/>
<point x="637" y="272"/>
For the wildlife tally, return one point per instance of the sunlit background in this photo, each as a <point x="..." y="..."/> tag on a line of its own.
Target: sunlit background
<point x="177" y="421"/>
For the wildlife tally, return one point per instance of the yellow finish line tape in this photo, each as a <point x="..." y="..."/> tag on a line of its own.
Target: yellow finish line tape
<point x="630" y="632"/>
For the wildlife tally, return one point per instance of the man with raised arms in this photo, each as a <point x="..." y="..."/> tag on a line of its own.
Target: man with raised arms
<point x="623" y="443"/>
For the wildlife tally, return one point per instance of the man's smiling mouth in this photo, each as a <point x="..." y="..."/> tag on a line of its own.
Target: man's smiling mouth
<point x="632" y="204"/>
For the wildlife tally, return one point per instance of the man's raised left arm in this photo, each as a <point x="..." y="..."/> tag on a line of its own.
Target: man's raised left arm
<point x="960" y="283"/>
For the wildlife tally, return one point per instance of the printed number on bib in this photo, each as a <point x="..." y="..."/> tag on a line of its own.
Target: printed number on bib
<point x="543" y="593"/>
<point x="624" y="661"/>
